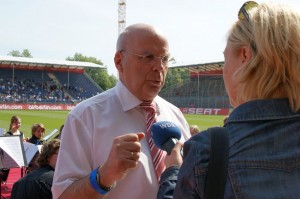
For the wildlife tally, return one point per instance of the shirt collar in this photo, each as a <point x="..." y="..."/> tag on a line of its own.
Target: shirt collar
<point x="127" y="99"/>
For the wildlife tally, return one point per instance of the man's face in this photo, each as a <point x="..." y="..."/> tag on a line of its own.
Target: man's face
<point x="143" y="66"/>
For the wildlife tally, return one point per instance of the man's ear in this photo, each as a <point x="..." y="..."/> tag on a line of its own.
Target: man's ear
<point x="118" y="61"/>
<point x="246" y="54"/>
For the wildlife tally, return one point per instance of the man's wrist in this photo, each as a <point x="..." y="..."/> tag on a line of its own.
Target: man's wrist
<point x="95" y="180"/>
<point x="100" y="184"/>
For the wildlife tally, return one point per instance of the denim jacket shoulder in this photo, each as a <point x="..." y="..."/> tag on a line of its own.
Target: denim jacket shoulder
<point x="264" y="156"/>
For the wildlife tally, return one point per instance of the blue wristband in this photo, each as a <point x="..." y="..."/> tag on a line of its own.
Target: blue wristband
<point x="94" y="183"/>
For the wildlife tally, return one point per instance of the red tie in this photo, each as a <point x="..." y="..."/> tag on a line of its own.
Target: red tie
<point x="156" y="154"/>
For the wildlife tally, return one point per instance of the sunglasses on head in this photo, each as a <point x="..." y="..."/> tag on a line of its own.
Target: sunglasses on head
<point x="243" y="13"/>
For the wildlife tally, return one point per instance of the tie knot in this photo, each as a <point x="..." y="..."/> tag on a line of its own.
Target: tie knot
<point x="149" y="107"/>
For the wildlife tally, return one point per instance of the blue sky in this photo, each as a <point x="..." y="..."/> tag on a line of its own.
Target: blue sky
<point x="56" y="29"/>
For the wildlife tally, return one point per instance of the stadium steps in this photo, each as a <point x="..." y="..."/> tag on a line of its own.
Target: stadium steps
<point x="53" y="77"/>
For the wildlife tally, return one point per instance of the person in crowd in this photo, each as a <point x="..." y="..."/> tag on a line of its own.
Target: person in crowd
<point x="37" y="132"/>
<point x="194" y="129"/>
<point x="261" y="75"/>
<point x="37" y="184"/>
<point x="14" y="127"/>
<point x="104" y="152"/>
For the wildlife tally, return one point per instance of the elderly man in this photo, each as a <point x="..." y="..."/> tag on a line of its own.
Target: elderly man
<point x="106" y="151"/>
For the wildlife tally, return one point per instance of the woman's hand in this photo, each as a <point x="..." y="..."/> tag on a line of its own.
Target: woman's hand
<point x="175" y="158"/>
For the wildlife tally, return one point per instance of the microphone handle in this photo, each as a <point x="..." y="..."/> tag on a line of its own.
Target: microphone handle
<point x="169" y="145"/>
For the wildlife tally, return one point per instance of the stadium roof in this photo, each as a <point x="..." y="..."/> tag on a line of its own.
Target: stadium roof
<point x="36" y="62"/>
<point x="206" y="67"/>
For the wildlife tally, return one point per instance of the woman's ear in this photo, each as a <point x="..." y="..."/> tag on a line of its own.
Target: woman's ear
<point x="246" y="54"/>
<point x="118" y="61"/>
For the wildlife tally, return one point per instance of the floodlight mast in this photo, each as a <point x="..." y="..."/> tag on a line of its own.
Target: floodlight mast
<point x="121" y="16"/>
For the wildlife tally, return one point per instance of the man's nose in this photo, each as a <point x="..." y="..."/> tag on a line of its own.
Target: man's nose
<point x="159" y="64"/>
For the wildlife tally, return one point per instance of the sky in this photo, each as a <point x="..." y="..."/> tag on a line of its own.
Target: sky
<point x="57" y="29"/>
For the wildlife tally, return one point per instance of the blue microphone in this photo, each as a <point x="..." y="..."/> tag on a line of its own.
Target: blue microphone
<point x="165" y="135"/>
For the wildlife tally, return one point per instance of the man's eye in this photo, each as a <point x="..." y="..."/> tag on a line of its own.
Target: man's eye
<point x="165" y="59"/>
<point x="149" y="57"/>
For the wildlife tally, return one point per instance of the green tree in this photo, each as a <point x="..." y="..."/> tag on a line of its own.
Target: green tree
<point x="16" y="53"/>
<point x="99" y="75"/>
<point x="113" y="81"/>
<point x="26" y="53"/>
<point x="80" y="57"/>
<point x="176" y="77"/>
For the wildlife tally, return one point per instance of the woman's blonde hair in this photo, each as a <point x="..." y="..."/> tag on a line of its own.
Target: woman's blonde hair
<point x="273" y="34"/>
<point x="194" y="129"/>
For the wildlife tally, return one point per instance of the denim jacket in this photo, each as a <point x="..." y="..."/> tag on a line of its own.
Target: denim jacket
<point x="264" y="156"/>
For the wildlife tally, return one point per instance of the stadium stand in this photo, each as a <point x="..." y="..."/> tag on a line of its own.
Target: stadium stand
<point x="79" y="86"/>
<point x="32" y="80"/>
<point x="203" y="87"/>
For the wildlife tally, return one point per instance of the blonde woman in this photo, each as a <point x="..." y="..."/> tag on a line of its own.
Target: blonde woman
<point x="262" y="78"/>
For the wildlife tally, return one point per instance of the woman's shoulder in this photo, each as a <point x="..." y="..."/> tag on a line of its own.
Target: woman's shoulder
<point x="197" y="148"/>
<point x="201" y="137"/>
<point x="8" y="133"/>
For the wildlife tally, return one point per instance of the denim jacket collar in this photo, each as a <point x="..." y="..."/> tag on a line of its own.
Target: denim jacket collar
<point x="271" y="109"/>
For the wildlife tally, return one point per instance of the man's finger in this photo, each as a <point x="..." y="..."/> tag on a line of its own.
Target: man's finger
<point x="140" y="136"/>
<point x="130" y="137"/>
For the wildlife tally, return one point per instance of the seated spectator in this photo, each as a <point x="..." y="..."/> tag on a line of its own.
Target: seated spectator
<point x="37" y="184"/>
<point x="37" y="132"/>
<point x="194" y="129"/>
<point x="14" y="126"/>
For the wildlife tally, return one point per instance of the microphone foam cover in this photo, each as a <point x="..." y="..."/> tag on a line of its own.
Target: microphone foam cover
<point x="162" y="131"/>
